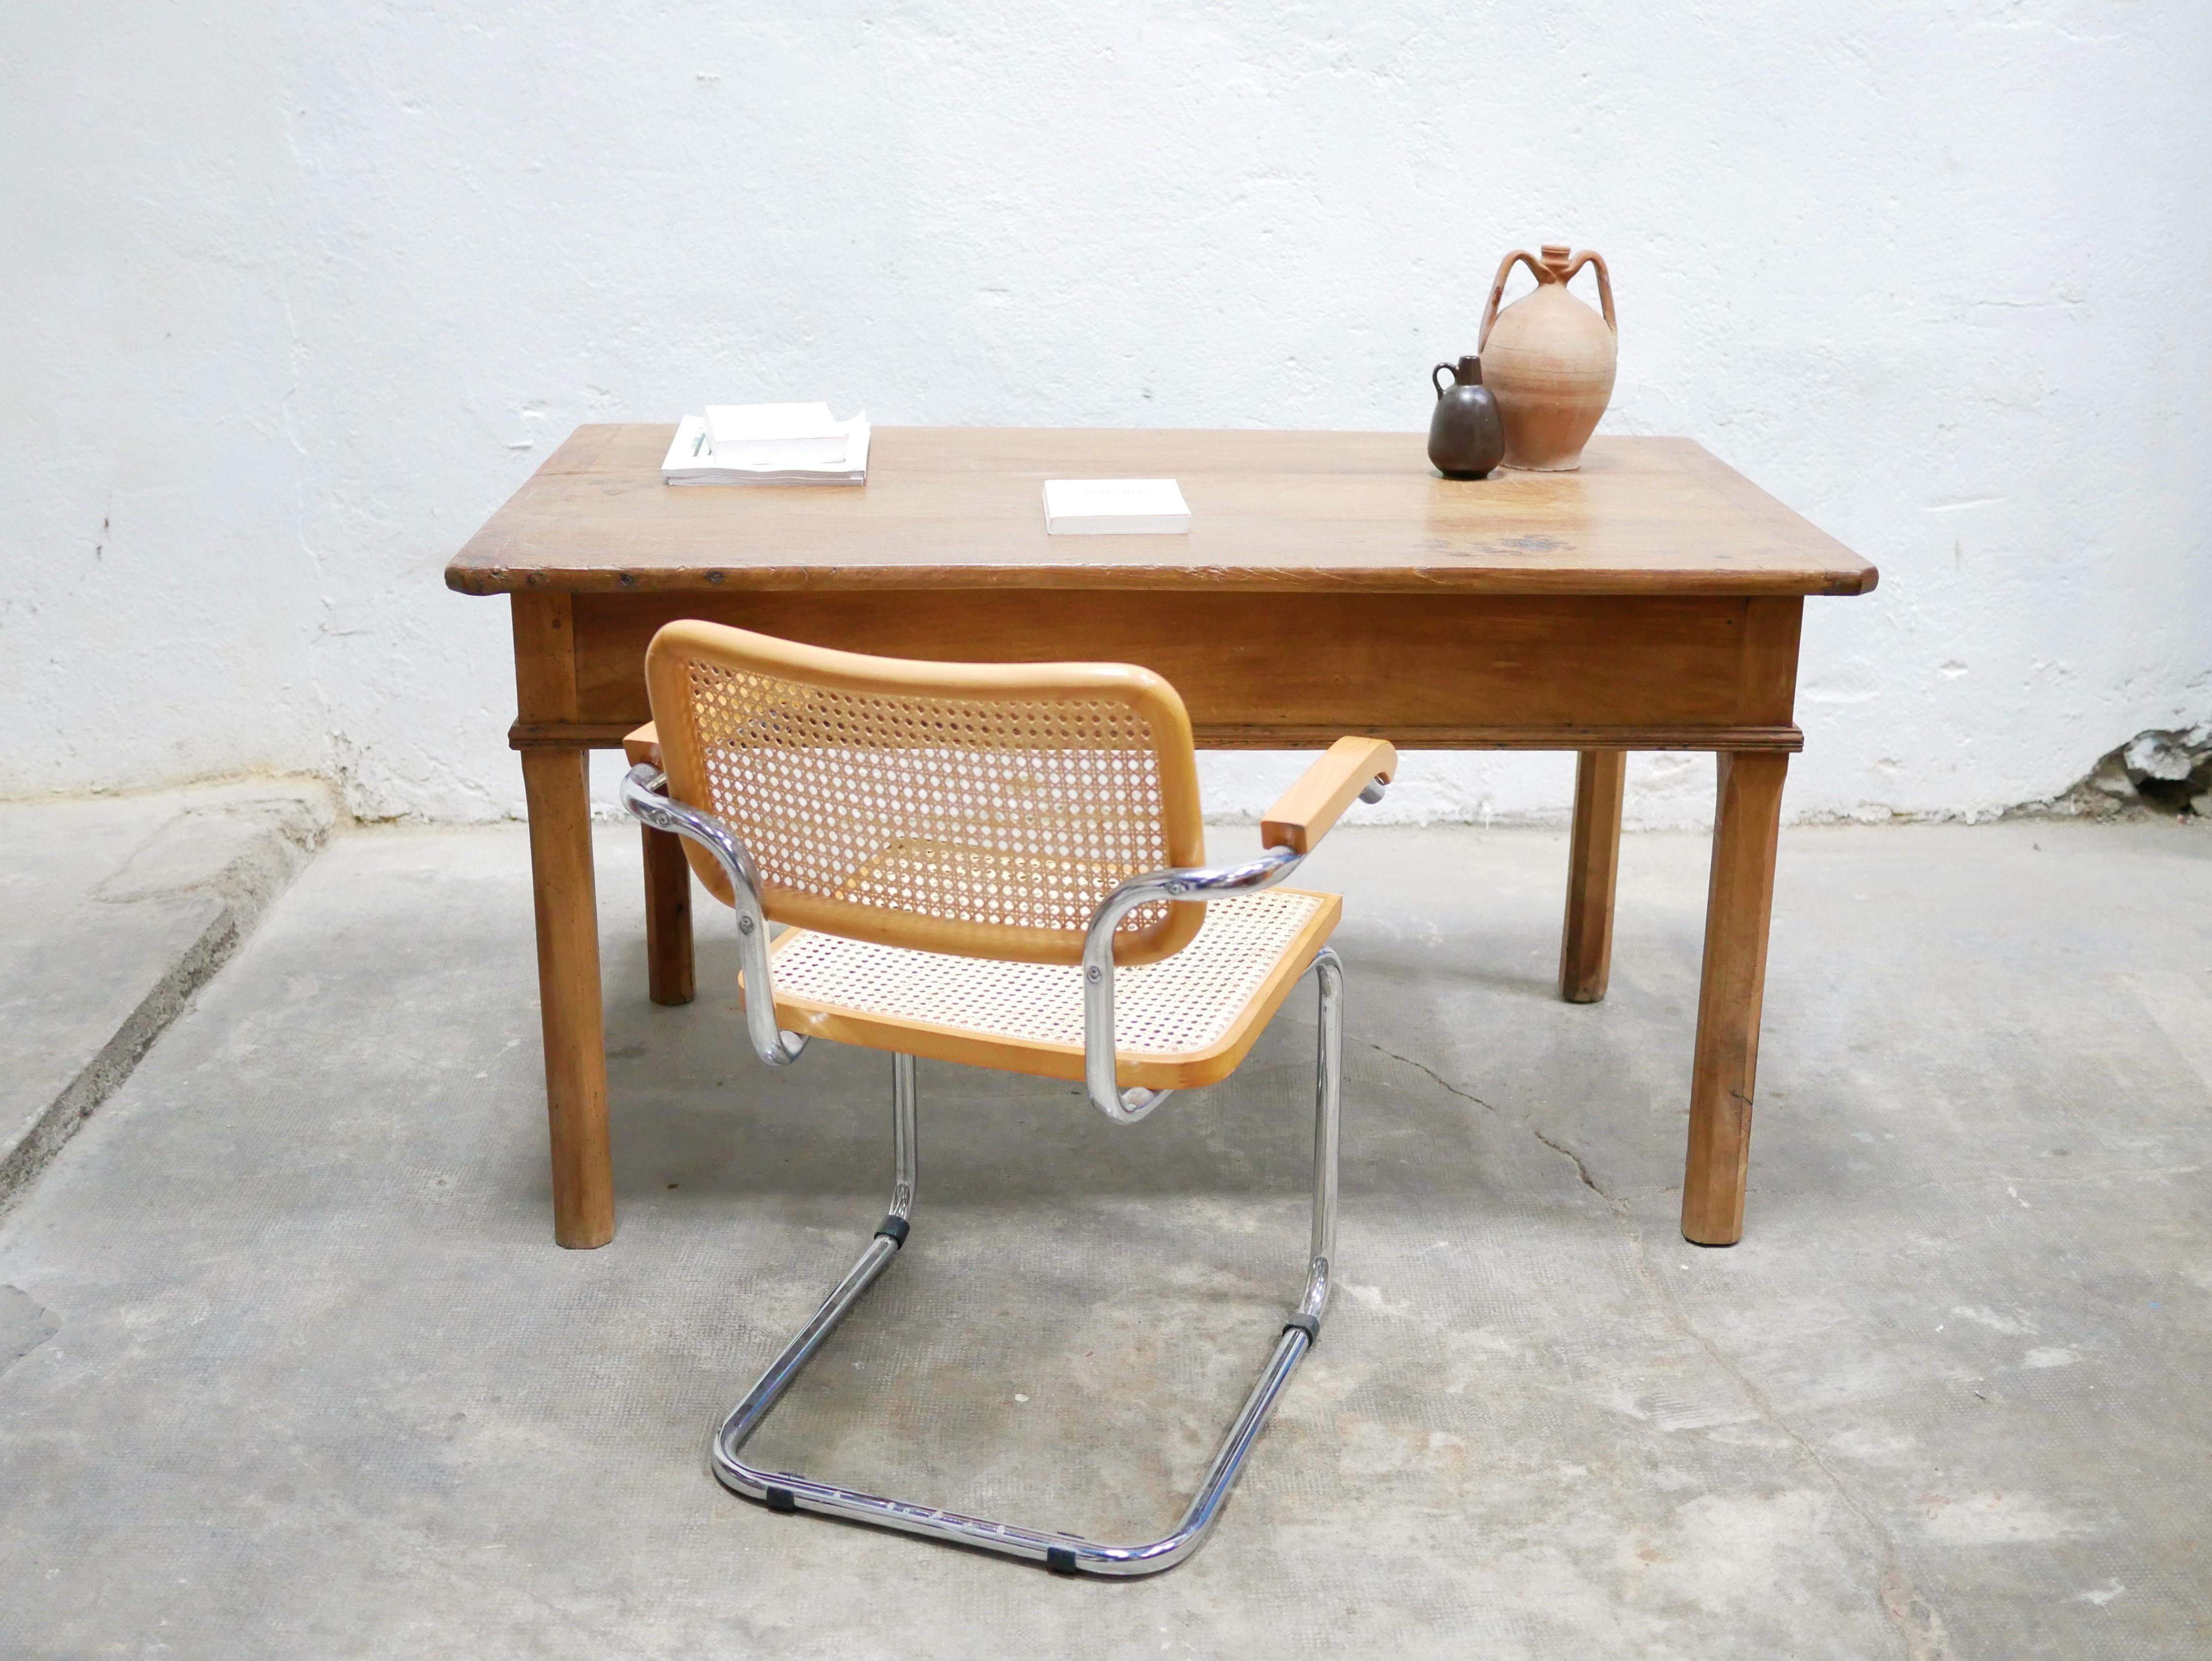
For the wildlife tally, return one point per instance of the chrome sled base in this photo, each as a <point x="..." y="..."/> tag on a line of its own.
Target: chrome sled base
<point x="1065" y="1553"/>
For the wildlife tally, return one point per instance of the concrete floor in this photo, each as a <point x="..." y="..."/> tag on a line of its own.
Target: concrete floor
<point x="297" y="1372"/>
<point x="118" y="909"/>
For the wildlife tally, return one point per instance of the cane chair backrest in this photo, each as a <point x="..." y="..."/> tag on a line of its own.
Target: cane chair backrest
<point x="982" y="809"/>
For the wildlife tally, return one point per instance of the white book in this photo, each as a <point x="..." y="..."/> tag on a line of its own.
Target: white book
<point x="775" y="435"/>
<point x="1115" y="507"/>
<point x="691" y="460"/>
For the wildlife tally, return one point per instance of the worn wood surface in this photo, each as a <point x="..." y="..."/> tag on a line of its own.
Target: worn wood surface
<point x="670" y="976"/>
<point x="670" y="970"/>
<point x="961" y="507"/>
<point x="1290" y="670"/>
<point x="1573" y="735"/>
<point x="555" y="786"/>
<point x="556" y="790"/>
<point x="1593" y="863"/>
<point x="1738" y="902"/>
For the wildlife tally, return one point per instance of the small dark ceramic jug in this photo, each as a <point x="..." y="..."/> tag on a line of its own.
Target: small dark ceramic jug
<point x="1466" y="437"/>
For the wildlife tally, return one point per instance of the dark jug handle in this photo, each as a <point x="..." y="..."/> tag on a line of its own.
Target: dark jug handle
<point x="1443" y="368"/>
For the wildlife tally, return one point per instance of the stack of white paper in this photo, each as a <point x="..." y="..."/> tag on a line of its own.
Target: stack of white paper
<point x="774" y="435"/>
<point x="767" y="444"/>
<point x="1113" y="507"/>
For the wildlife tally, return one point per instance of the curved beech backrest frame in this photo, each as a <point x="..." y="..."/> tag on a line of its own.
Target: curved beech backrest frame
<point x="985" y="809"/>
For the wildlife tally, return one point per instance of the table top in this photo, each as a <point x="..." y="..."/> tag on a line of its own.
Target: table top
<point x="954" y="506"/>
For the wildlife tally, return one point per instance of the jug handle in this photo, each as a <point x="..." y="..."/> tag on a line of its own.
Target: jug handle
<point x="1443" y="369"/>
<point x="1497" y="290"/>
<point x="1604" y="283"/>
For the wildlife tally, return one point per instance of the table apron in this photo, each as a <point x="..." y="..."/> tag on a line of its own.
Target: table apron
<point x="1256" y="670"/>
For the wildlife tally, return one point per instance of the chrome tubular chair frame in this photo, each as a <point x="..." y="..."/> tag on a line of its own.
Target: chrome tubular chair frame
<point x="642" y="795"/>
<point x="1127" y="1107"/>
<point x="1067" y="1554"/>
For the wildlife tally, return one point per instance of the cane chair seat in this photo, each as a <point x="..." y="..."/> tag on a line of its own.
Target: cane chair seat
<point x="1185" y="1021"/>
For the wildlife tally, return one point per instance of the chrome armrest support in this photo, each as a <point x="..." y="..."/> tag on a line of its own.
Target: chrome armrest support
<point x="644" y="796"/>
<point x="1191" y="883"/>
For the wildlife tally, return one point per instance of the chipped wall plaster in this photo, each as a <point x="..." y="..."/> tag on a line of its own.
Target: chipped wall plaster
<point x="294" y="296"/>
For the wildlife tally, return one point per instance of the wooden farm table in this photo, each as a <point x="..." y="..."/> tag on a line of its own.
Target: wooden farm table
<point x="1330" y="583"/>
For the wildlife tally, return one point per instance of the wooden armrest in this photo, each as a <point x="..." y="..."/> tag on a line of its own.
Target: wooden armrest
<point x="643" y="745"/>
<point x="1305" y="812"/>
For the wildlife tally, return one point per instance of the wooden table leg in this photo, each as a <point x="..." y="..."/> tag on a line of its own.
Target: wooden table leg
<point x="1739" y="902"/>
<point x="556" y="785"/>
<point x="1592" y="860"/>
<point x="668" y="972"/>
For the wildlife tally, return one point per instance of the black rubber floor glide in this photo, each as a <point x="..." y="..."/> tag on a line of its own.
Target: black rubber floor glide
<point x="782" y="1500"/>
<point x="1307" y="1324"/>
<point x="894" y="1230"/>
<point x="1059" y="1560"/>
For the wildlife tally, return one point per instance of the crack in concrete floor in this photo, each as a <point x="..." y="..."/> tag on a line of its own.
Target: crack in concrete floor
<point x="1918" y="1625"/>
<point x="24" y="1324"/>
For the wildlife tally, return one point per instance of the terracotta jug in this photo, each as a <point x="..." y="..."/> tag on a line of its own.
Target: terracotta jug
<point x="1549" y="359"/>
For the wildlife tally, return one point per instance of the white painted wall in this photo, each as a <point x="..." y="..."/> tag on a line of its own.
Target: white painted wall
<point x="295" y="294"/>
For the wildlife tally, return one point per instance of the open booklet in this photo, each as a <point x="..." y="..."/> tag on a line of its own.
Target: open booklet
<point x="767" y="444"/>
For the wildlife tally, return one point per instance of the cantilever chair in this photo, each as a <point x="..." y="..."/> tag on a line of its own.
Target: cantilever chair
<point x="995" y="864"/>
